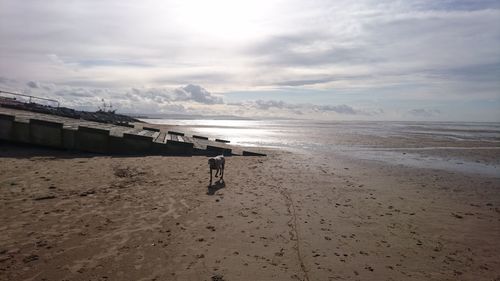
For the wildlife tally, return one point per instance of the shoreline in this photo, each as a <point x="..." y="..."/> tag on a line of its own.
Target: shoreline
<point x="287" y="216"/>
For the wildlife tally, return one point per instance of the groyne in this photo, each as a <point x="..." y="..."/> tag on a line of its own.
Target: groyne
<point x="28" y="127"/>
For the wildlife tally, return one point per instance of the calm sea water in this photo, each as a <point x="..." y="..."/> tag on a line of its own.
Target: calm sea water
<point x="422" y="144"/>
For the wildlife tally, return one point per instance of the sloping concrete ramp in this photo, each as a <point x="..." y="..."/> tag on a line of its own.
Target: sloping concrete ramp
<point x="72" y="134"/>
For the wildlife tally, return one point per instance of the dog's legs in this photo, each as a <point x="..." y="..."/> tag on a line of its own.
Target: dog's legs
<point x="222" y="173"/>
<point x="210" y="178"/>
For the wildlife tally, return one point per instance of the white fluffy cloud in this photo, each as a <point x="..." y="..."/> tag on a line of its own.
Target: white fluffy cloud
<point x="196" y="93"/>
<point x="189" y="99"/>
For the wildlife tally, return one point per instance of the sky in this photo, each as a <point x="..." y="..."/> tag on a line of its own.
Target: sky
<point x="311" y="59"/>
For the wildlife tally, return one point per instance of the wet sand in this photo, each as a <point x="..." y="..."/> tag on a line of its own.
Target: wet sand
<point x="66" y="216"/>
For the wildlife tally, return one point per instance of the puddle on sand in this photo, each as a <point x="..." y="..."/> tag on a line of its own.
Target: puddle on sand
<point x="422" y="161"/>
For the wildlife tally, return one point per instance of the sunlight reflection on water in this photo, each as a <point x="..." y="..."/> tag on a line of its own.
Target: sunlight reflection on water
<point x="239" y="132"/>
<point x="322" y="135"/>
<point x="378" y="141"/>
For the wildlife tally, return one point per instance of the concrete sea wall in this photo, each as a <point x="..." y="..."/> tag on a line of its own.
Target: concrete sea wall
<point x="80" y="135"/>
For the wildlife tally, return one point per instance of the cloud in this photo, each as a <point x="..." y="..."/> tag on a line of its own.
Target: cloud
<point x="456" y="5"/>
<point x="32" y="84"/>
<point x="304" y="82"/>
<point x="309" y="50"/>
<point x="423" y="112"/>
<point x="388" y="44"/>
<point x="342" y="109"/>
<point x="313" y="43"/>
<point x="305" y="108"/>
<point x="196" y="93"/>
<point x="194" y="99"/>
<point x="353" y="50"/>
<point x="267" y="104"/>
<point x="138" y="100"/>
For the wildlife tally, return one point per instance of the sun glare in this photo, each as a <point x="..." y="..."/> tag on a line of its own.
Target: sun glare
<point x="224" y="19"/>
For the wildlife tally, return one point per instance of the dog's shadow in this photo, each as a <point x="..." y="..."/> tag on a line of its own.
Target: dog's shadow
<point x="212" y="189"/>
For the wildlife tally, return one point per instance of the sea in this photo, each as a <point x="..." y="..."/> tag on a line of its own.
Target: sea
<point x="465" y="147"/>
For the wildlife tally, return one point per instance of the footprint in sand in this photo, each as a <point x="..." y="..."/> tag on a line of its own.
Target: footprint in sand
<point x="369" y="268"/>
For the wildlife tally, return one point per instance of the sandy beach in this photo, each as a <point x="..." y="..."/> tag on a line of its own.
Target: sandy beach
<point x="68" y="216"/>
<point x="361" y="140"/>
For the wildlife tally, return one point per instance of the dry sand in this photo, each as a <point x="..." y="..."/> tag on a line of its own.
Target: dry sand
<point x="287" y="216"/>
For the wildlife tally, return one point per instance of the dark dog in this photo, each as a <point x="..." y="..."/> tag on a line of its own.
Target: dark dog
<point x="217" y="163"/>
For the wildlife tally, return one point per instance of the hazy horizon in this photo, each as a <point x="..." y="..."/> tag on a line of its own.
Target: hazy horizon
<point x="324" y="60"/>
<point x="187" y="116"/>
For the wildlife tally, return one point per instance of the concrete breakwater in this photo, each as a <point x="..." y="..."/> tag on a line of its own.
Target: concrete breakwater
<point x="58" y="132"/>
